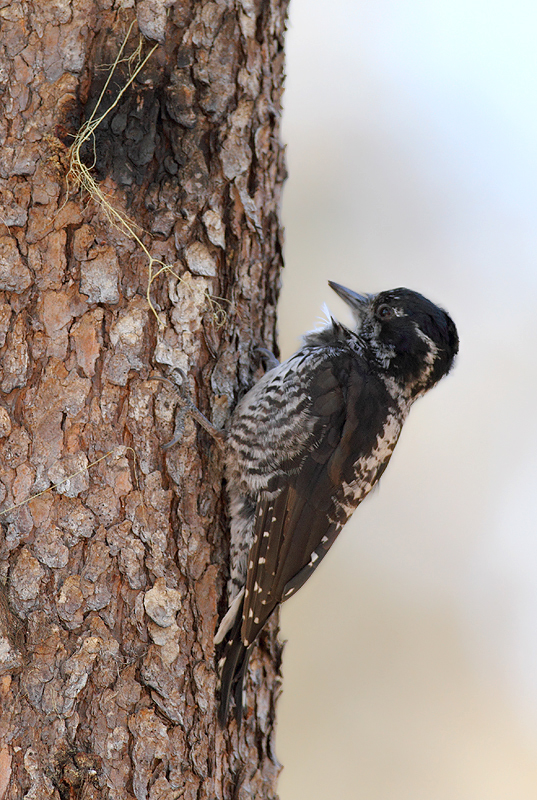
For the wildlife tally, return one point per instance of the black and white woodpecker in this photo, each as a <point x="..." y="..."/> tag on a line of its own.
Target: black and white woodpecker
<point x="308" y="442"/>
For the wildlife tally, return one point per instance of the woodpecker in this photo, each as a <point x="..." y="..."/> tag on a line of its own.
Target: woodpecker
<point x="308" y="442"/>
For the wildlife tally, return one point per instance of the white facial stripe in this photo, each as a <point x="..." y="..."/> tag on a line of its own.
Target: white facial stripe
<point x="432" y="352"/>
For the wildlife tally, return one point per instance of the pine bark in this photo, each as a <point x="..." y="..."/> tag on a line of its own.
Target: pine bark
<point x="112" y="579"/>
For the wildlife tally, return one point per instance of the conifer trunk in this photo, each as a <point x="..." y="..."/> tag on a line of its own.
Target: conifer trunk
<point x="112" y="583"/>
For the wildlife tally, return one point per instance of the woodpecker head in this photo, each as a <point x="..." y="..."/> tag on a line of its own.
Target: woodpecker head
<point x="413" y="340"/>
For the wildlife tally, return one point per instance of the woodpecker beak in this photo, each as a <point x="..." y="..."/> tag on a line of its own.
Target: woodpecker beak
<point x="357" y="302"/>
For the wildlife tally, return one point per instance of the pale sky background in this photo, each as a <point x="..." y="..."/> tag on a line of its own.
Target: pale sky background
<point x="410" y="671"/>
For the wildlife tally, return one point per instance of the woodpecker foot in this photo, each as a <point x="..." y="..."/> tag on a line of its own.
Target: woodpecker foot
<point x="269" y="358"/>
<point x="181" y="386"/>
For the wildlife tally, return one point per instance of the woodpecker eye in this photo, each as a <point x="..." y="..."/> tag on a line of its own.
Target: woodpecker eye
<point x="384" y="312"/>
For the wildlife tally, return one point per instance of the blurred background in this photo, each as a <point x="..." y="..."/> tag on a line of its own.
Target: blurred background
<point x="410" y="671"/>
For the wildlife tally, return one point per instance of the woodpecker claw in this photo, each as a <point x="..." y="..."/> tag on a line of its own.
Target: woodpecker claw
<point x="177" y="438"/>
<point x="271" y="362"/>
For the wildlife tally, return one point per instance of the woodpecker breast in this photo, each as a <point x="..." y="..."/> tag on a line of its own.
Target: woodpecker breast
<point x="307" y="444"/>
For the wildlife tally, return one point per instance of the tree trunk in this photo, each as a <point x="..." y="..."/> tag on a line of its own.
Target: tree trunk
<point x="112" y="579"/>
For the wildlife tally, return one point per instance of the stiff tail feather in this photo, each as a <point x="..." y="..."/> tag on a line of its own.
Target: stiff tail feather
<point x="233" y="671"/>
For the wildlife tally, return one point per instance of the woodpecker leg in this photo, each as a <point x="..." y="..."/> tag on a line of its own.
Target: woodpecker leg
<point x="193" y="410"/>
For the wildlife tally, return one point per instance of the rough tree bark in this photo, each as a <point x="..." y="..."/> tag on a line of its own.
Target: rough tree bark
<point x="112" y="583"/>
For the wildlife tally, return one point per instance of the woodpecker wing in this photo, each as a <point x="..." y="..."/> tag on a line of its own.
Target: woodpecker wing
<point x="313" y="492"/>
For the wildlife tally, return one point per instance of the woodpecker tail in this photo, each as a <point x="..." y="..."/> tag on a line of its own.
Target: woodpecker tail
<point x="233" y="671"/>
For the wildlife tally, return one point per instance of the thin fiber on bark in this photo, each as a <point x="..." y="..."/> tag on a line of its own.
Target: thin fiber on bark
<point x="111" y="584"/>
